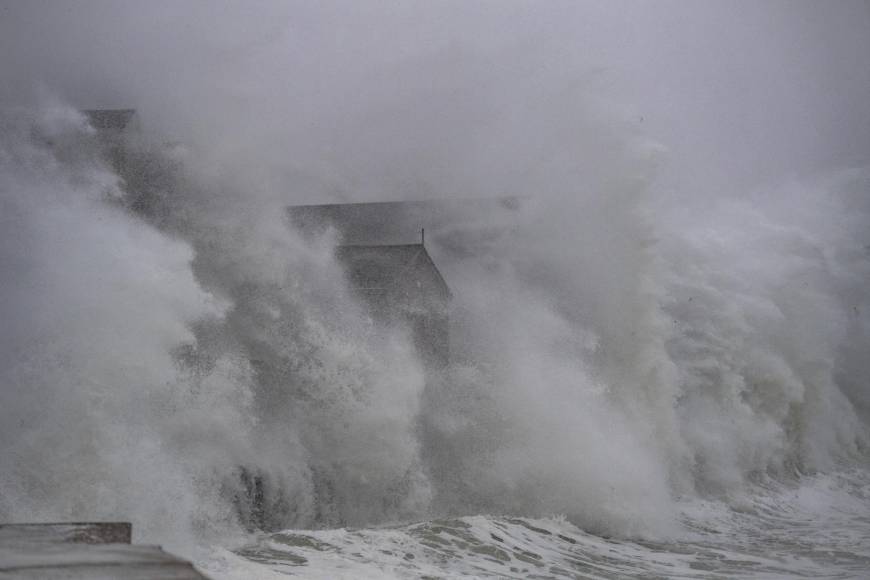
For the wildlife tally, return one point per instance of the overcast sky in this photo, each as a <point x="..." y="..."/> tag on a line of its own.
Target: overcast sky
<point x="738" y="91"/>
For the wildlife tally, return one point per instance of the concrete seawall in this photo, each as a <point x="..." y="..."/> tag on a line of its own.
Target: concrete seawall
<point x="91" y="550"/>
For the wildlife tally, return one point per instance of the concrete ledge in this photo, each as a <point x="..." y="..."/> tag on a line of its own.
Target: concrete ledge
<point x="79" y="551"/>
<point x="74" y="532"/>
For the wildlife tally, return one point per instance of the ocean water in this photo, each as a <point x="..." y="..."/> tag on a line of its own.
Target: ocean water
<point x="643" y="383"/>
<point x="815" y="528"/>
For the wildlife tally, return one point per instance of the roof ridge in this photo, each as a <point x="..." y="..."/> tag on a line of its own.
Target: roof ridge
<point x="379" y="246"/>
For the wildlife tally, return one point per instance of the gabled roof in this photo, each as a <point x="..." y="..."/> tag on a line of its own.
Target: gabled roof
<point x="391" y="222"/>
<point x="112" y="119"/>
<point x="394" y="263"/>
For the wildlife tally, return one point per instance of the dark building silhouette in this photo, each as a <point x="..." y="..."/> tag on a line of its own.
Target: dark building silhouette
<point x="399" y="281"/>
<point x="401" y="284"/>
<point x="397" y="222"/>
<point x="113" y="127"/>
<point x="113" y="120"/>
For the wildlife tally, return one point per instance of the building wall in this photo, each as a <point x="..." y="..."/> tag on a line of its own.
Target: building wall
<point x="417" y="300"/>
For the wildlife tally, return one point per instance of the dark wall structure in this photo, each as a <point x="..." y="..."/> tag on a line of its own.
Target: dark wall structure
<point x="109" y="120"/>
<point x="114" y="127"/>
<point x="398" y="222"/>
<point x="401" y="284"/>
<point x="398" y="282"/>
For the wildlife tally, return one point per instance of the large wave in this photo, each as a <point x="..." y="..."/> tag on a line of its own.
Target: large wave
<point x="175" y="354"/>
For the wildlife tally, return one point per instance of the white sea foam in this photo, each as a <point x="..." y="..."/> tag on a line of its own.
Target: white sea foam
<point x="816" y="529"/>
<point x="682" y="375"/>
<point x="165" y="339"/>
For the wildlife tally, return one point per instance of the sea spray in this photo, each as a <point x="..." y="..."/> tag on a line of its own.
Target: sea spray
<point x="636" y="358"/>
<point x="756" y="292"/>
<point x="97" y="422"/>
<point x="665" y="343"/>
<point x="246" y="340"/>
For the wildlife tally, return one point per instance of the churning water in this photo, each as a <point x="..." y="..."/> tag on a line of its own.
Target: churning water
<point x="817" y="530"/>
<point x="641" y="385"/>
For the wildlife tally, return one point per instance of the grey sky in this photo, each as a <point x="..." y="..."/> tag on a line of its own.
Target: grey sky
<point x="738" y="91"/>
